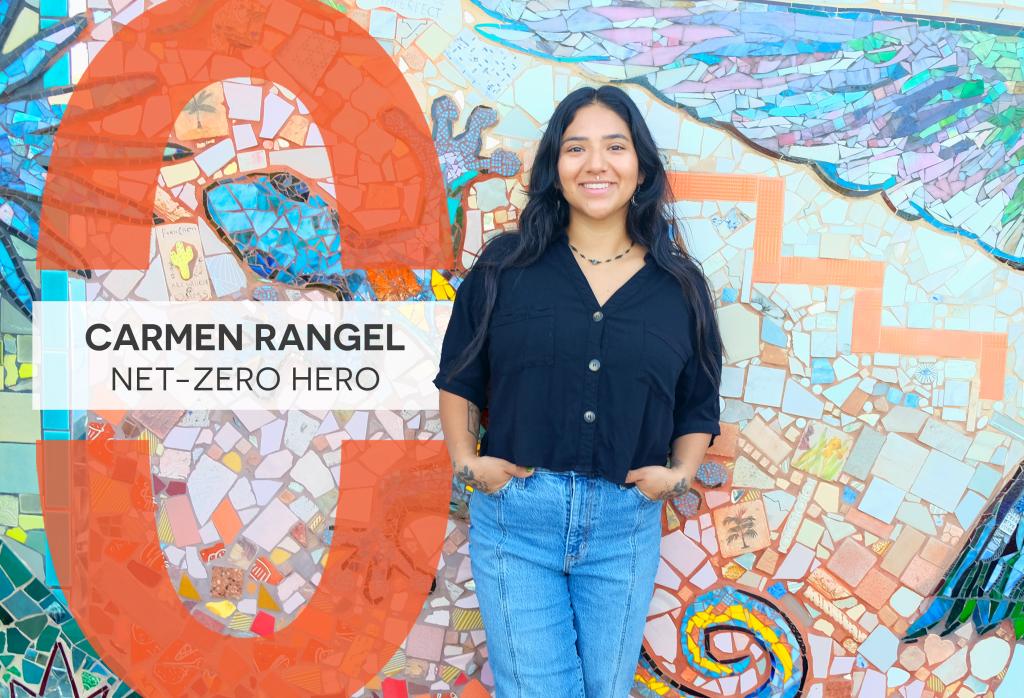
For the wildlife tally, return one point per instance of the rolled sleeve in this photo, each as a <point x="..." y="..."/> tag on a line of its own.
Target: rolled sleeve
<point x="471" y="382"/>
<point x="696" y="408"/>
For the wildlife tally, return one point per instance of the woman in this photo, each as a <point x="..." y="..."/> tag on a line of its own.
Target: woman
<point x="590" y="338"/>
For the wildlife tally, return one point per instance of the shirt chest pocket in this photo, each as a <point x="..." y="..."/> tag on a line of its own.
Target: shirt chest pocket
<point x="522" y="338"/>
<point x="663" y="361"/>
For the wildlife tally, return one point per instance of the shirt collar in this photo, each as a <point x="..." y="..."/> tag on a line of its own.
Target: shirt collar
<point x="566" y="259"/>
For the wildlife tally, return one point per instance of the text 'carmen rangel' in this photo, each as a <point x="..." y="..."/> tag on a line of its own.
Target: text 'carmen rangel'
<point x="219" y="337"/>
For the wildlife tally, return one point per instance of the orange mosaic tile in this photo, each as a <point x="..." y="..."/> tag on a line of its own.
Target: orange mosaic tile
<point x="870" y="524"/>
<point x="774" y="356"/>
<point x="876" y="588"/>
<point x="726" y="444"/>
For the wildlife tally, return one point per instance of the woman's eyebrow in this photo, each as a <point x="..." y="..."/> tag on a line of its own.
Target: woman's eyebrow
<point x="609" y="137"/>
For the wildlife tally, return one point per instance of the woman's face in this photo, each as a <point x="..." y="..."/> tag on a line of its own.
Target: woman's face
<point x="598" y="169"/>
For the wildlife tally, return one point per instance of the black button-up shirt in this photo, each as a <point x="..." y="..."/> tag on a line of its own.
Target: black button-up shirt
<point x="573" y="385"/>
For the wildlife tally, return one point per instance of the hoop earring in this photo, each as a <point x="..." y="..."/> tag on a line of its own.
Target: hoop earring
<point x="558" y="205"/>
<point x="633" y="199"/>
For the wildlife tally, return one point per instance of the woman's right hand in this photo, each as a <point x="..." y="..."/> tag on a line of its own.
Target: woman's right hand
<point x="487" y="473"/>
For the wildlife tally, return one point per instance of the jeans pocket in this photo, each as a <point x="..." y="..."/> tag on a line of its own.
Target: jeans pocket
<point x="643" y="497"/>
<point x="501" y="490"/>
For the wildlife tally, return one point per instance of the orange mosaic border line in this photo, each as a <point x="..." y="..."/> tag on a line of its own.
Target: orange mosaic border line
<point x="989" y="349"/>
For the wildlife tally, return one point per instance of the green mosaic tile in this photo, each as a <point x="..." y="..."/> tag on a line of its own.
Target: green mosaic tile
<point x="33" y="626"/>
<point x="16" y="570"/>
<point x="18" y="475"/>
<point x="30" y="504"/>
<point x="24" y="348"/>
<point x="21" y="424"/>
<point x="16" y="641"/>
<point x="8" y="510"/>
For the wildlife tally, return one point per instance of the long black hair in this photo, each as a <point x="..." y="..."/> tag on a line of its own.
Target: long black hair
<point x="649" y="222"/>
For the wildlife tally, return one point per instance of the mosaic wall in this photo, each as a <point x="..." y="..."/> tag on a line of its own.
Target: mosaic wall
<point x="851" y="181"/>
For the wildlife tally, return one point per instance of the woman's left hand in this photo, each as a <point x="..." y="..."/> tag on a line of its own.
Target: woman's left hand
<point x="659" y="482"/>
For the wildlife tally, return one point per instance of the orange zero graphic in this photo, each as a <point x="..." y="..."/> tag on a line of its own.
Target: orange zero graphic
<point x="97" y="214"/>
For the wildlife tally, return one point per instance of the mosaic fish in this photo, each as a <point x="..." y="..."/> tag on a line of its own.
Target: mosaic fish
<point x="285" y="232"/>
<point x="928" y="112"/>
<point x="986" y="583"/>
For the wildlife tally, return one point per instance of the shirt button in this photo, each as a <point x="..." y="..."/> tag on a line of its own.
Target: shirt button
<point x="594" y="365"/>
<point x="589" y="416"/>
<point x="598" y="316"/>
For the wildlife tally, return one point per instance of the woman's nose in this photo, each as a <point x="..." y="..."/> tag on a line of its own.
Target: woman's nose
<point x="595" y="160"/>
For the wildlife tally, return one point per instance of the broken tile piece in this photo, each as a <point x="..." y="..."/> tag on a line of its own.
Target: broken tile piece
<point x="187" y="590"/>
<point x="904" y="419"/>
<point x="222" y="609"/>
<point x="226" y="582"/>
<point x="263" y="624"/>
<point x="266" y="601"/>
<point x="881" y="500"/>
<point x="942" y="480"/>
<point x="800" y="401"/>
<point x="880" y="648"/>
<point x="851" y="562"/>
<point x="945" y="438"/>
<point x="208" y="484"/>
<point x="764" y="386"/>
<point x="796" y="563"/>
<point x="312" y="474"/>
<point x="900" y="460"/>
<point x="747" y="474"/>
<point x="271" y="525"/>
<point x="740" y="332"/>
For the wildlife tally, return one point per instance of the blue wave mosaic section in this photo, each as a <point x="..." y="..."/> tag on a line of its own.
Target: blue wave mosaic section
<point x="925" y="110"/>
<point x="986" y="584"/>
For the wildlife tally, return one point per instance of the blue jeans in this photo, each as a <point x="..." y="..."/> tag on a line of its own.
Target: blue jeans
<point x="564" y="567"/>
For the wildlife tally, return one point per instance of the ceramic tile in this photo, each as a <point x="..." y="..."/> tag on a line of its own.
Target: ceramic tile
<point x="942" y="480"/>
<point x="881" y="500"/>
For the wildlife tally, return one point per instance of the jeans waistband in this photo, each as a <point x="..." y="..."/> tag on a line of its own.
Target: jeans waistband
<point x="565" y="473"/>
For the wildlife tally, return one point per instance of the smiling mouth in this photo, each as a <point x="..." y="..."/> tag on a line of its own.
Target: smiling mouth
<point x="596" y="186"/>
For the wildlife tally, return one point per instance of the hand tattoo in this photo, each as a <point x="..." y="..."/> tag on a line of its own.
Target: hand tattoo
<point x="677" y="490"/>
<point x="469" y="478"/>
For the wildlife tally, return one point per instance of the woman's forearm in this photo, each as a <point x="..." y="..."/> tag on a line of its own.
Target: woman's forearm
<point x="687" y="453"/>
<point x="460" y="421"/>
